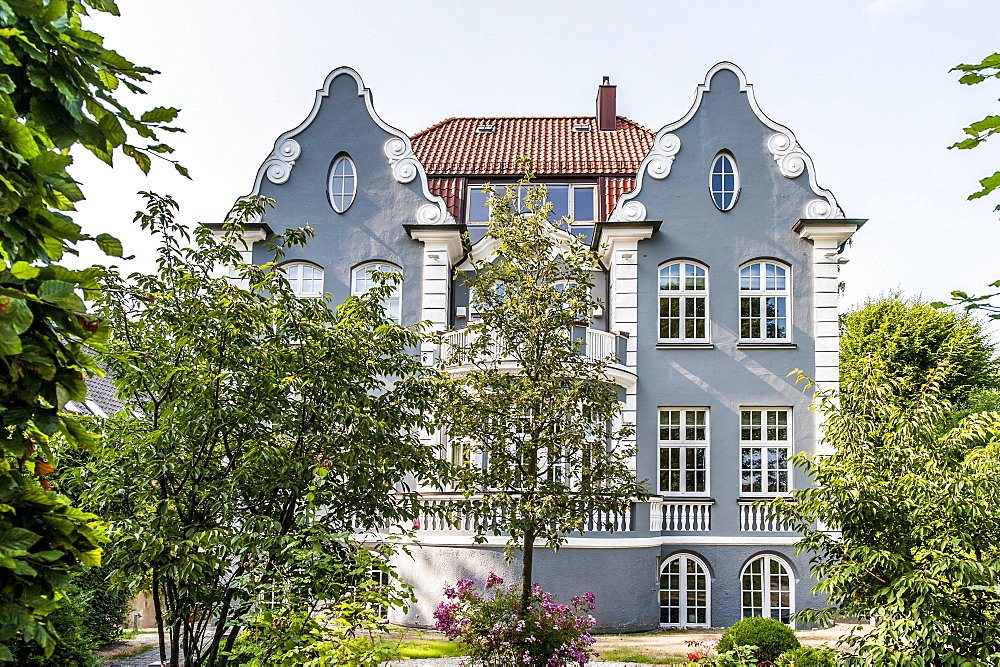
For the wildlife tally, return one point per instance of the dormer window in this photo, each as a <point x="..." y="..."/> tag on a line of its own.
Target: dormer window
<point x="579" y="202"/>
<point x="724" y="182"/>
<point x="343" y="184"/>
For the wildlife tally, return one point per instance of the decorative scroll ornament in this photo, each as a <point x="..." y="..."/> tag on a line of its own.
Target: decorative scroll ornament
<point x="819" y="209"/>
<point x="790" y="158"/>
<point x="430" y="214"/>
<point x="279" y="165"/>
<point x="631" y="211"/>
<point x="661" y="157"/>
<point x="402" y="160"/>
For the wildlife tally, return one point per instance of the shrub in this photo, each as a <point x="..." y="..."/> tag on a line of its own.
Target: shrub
<point x="492" y="626"/>
<point x="72" y="649"/>
<point x="771" y="637"/>
<point x="809" y="656"/>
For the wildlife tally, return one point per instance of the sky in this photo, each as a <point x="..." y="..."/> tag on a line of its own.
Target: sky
<point x="865" y="86"/>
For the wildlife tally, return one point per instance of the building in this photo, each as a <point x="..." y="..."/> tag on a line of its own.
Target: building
<point x="720" y="253"/>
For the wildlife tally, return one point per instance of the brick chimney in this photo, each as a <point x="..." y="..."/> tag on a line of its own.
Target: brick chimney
<point x="607" y="117"/>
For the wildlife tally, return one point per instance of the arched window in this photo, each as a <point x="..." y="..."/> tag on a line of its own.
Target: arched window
<point x="767" y="589"/>
<point x="764" y="291"/>
<point x="683" y="302"/>
<point x="305" y="279"/>
<point x="685" y="592"/>
<point x="343" y="184"/>
<point x="363" y="281"/>
<point x="724" y="182"/>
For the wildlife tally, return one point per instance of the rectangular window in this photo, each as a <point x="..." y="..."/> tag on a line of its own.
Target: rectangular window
<point x="579" y="202"/>
<point x="764" y="451"/>
<point x="683" y="444"/>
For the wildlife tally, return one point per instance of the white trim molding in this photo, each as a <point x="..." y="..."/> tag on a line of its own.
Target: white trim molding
<point x="789" y="157"/>
<point x="405" y="167"/>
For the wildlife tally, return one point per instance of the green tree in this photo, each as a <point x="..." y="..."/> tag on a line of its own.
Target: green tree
<point x="911" y="338"/>
<point x="262" y="430"/>
<point x="902" y="523"/>
<point x="980" y="131"/>
<point x="536" y="412"/>
<point x="57" y="91"/>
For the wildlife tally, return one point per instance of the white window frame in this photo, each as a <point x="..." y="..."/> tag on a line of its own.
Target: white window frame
<point x="684" y="296"/>
<point x="295" y="274"/>
<point x="571" y="196"/>
<point x="767" y="590"/>
<point x="683" y="592"/>
<point x="683" y="445"/>
<point x="765" y="443"/>
<point x="757" y="291"/>
<point x="713" y="191"/>
<point x="342" y="188"/>
<point x="393" y="304"/>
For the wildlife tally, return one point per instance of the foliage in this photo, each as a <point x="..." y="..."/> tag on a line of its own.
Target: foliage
<point x="262" y="430"/>
<point x="57" y="87"/>
<point x="912" y="338"/>
<point x="770" y="636"/>
<point x="737" y="656"/>
<point x="429" y="648"/>
<point x="809" y="656"/>
<point x="978" y="132"/>
<point x="78" y="632"/>
<point x="545" y="432"/>
<point x="493" y="625"/>
<point x="290" y="638"/>
<point x="902" y="524"/>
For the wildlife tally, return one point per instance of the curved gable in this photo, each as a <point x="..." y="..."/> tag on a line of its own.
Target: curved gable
<point x="725" y="79"/>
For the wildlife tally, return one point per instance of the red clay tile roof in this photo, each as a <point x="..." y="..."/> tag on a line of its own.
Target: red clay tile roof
<point x="615" y="188"/>
<point x="450" y="189"/>
<point x="453" y="147"/>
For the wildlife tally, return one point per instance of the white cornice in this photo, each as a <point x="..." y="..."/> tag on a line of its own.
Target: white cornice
<point x="450" y="238"/>
<point x="609" y="237"/>
<point x="485" y="248"/>
<point x="791" y="160"/>
<point x="838" y="232"/>
<point x="278" y="165"/>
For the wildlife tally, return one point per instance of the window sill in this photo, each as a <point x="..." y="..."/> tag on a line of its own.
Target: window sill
<point x="748" y="500"/>
<point x="681" y="498"/>
<point x="684" y="346"/>
<point x="763" y="345"/>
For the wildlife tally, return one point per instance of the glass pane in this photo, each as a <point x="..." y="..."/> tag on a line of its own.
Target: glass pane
<point x="559" y="196"/>
<point x="583" y="204"/>
<point x="478" y="211"/>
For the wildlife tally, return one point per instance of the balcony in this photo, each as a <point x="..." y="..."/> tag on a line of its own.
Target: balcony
<point x="599" y="346"/>
<point x="760" y="520"/>
<point x="443" y="512"/>
<point x="694" y="516"/>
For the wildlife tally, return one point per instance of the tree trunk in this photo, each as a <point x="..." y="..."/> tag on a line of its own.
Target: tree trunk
<point x="527" y="565"/>
<point x="158" y="613"/>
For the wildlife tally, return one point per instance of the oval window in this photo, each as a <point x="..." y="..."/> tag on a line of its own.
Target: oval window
<point x="724" y="182"/>
<point x="343" y="184"/>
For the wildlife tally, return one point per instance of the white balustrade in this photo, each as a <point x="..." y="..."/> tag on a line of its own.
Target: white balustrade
<point x="445" y="512"/>
<point x="759" y="519"/>
<point x="598" y="346"/>
<point x="680" y="515"/>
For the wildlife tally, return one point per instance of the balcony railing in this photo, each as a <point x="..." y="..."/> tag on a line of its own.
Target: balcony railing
<point x="596" y="345"/>
<point x="454" y="512"/>
<point x="760" y="519"/>
<point x="680" y="515"/>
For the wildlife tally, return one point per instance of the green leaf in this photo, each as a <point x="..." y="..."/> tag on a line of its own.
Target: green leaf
<point x="182" y="171"/>
<point x="112" y="129"/>
<point x="110" y="245"/>
<point x="160" y="115"/>
<point x="24" y="271"/>
<point x="62" y="294"/>
<point x="50" y="162"/>
<point x="18" y="539"/>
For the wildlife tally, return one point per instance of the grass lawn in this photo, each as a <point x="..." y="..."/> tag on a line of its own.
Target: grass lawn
<point x="429" y="648"/>
<point x="645" y="657"/>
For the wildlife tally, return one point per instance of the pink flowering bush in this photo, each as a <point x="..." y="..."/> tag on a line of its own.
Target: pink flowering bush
<point x="490" y="625"/>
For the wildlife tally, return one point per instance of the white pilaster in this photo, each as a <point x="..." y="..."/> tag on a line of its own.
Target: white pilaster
<point x="827" y="237"/>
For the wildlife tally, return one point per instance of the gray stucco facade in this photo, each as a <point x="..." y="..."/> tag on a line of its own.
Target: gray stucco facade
<point x="778" y="219"/>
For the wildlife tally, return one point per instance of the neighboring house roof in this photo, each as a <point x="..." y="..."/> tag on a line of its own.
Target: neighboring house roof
<point x="100" y="398"/>
<point x="461" y="147"/>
